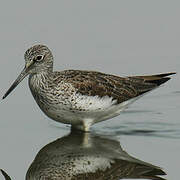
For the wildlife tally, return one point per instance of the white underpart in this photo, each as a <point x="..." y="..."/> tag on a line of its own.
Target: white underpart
<point x="96" y="109"/>
<point x="73" y="108"/>
<point x="94" y="103"/>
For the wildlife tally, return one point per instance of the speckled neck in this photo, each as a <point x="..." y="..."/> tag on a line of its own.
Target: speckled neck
<point x="40" y="80"/>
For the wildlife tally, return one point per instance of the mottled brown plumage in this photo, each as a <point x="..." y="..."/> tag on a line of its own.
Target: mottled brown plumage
<point x="92" y="83"/>
<point x="80" y="98"/>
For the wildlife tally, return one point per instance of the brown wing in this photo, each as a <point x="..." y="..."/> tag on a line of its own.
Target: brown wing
<point x="94" y="83"/>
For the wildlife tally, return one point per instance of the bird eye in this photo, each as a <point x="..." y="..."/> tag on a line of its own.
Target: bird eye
<point x="39" y="58"/>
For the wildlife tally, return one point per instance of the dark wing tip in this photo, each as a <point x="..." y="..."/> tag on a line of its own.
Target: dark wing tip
<point x="156" y="171"/>
<point x="160" y="78"/>
<point x="164" y="74"/>
<point x="160" y="81"/>
<point x="157" y="79"/>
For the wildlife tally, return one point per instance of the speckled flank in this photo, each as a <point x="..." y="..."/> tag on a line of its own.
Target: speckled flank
<point x="80" y="98"/>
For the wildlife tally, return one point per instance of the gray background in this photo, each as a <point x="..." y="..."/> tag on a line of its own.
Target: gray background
<point x="118" y="37"/>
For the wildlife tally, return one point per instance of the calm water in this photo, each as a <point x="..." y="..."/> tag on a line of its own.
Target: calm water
<point x="130" y="146"/>
<point x="117" y="37"/>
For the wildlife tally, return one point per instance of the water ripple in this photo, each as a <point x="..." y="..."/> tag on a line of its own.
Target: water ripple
<point x="150" y="129"/>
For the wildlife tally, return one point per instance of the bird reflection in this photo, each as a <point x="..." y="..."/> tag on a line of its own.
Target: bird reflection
<point x="87" y="156"/>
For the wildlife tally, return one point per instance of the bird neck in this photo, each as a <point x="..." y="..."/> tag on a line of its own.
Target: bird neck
<point x="39" y="80"/>
<point x="43" y="75"/>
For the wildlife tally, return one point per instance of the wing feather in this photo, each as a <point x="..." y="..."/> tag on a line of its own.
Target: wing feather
<point x="94" y="83"/>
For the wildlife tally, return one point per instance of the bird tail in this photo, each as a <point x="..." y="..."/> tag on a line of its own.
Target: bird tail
<point x="157" y="79"/>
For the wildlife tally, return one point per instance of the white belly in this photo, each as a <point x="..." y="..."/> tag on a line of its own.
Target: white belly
<point x="86" y="111"/>
<point x="69" y="107"/>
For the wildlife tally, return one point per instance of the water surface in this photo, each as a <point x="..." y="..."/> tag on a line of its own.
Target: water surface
<point x="118" y="37"/>
<point x="140" y="143"/>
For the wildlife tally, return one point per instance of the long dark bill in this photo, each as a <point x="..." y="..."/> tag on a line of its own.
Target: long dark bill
<point x="23" y="74"/>
<point x="5" y="175"/>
